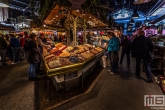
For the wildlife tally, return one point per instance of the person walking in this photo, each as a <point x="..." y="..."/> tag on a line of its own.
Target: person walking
<point x="33" y="56"/>
<point x="15" y="45"/>
<point x="126" y="47"/>
<point x="3" y="48"/>
<point x="141" y="47"/>
<point x="113" y="48"/>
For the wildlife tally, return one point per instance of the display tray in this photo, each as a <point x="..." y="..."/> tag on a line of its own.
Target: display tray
<point x="70" y="68"/>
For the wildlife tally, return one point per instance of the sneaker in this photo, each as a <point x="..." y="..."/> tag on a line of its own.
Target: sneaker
<point x="109" y="70"/>
<point x="112" y="72"/>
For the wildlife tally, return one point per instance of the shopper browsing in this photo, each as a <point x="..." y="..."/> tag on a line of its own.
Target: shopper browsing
<point x="113" y="48"/>
<point x="33" y="55"/>
<point x="141" y="47"/>
<point x="41" y="44"/>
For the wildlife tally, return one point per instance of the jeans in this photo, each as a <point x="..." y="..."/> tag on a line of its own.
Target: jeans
<point x="147" y="67"/>
<point x="122" y="56"/>
<point x="3" y="56"/>
<point x="16" y="54"/>
<point x="110" y="56"/>
<point x="31" y="70"/>
<point x="114" y="63"/>
<point x="22" y="53"/>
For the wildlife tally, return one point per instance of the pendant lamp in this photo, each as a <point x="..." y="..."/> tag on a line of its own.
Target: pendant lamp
<point x="141" y="1"/>
<point x="4" y="3"/>
<point x="135" y="14"/>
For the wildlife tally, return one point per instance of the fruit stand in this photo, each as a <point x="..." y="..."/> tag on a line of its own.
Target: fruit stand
<point x="67" y="68"/>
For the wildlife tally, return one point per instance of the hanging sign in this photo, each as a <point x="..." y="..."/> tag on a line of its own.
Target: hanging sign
<point x="76" y="4"/>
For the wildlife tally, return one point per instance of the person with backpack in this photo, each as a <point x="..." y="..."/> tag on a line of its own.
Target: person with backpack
<point x="32" y="55"/>
<point x="126" y="48"/>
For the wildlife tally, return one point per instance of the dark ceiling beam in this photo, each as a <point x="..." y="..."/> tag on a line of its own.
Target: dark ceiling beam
<point x="115" y="2"/>
<point x="18" y="8"/>
<point x="20" y="2"/>
<point x="158" y="4"/>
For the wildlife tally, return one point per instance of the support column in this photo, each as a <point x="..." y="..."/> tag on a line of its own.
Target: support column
<point x="125" y="28"/>
<point x="84" y="29"/>
<point x="75" y="32"/>
<point x="68" y="35"/>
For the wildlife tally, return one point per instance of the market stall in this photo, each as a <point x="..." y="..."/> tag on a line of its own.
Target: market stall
<point x="67" y="64"/>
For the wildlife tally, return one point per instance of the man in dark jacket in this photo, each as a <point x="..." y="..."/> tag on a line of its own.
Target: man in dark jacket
<point x="15" y="44"/>
<point x="3" y="48"/>
<point x="126" y="46"/>
<point x="141" y="47"/>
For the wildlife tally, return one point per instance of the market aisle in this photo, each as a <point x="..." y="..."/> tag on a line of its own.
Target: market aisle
<point x="16" y="91"/>
<point x="116" y="92"/>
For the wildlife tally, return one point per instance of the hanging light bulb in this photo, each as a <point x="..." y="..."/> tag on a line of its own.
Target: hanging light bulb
<point x="4" y="3"/>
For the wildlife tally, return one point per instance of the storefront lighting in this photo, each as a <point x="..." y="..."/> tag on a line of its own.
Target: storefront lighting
<point x="90" y="17"/>
<point x="54" y="18"/>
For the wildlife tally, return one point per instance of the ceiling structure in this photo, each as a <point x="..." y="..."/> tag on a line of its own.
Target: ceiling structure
<point x="58" y="13"/>
<point x="120" y="10"/>
<point x="20" y="8"/>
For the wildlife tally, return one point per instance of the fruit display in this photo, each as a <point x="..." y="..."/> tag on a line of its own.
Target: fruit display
<point x="62" y="55"/>
<point x="54" y="64"/>
<point x="73" y="59"/>
<point x="105" y="38"/>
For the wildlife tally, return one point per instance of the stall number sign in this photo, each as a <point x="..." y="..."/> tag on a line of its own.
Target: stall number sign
<point x="154" y="100"/>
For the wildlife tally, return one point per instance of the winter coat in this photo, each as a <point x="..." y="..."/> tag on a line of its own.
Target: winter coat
<point x="14" y="42"/>
<point x="126" y="45"/>
<point x="3" y="44"/>
<point x="32" y="52"/>
<point x="22" y="41"/>
<point x="113" y="44"/>
<point x="141" y="46"/>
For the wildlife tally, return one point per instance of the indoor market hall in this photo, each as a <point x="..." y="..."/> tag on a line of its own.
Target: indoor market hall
<point x="82" y="54"/>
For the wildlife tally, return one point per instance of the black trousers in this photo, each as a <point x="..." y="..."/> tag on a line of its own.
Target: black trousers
<point x="122" y="56"/>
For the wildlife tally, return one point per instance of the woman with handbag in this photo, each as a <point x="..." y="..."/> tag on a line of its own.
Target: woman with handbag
<point x="113" y="48"/>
